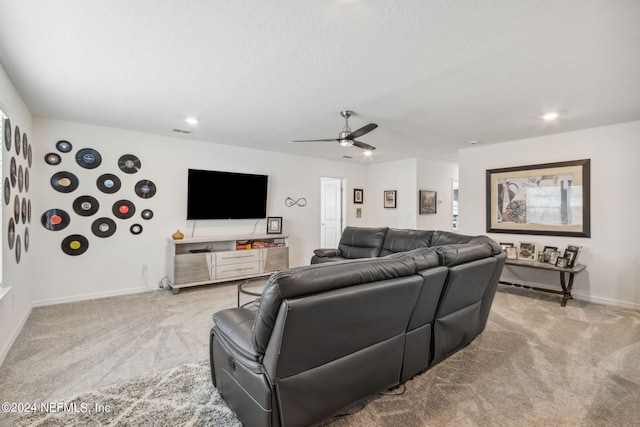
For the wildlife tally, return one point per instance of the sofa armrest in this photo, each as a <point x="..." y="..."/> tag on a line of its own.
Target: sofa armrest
<point x="234" y="327"/>
<point x="327" y="252"/>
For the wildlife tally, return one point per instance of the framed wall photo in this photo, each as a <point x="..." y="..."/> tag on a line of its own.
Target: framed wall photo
<point x="428" y="202"/>
<point x="274" y="225"/>
<point x="390" y="199"/>
<point x="546" y="199"/>
<point x="358" y="195"/>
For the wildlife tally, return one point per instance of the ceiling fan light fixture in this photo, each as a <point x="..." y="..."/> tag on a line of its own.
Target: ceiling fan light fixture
<point x="346" y="142"/>
<point x="368" y="153"/>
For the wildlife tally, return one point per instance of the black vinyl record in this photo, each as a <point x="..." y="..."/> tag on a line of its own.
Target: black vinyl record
<point x="55" y="219"/>
<point x="53" y="159"/>
<point x="18" y="249"/>
<point x="11" y="233"/>
<point x="129" y="163"/>
<point x="64" y="146"/>
<point x="145" y="189"/>
<point x="16" y="139"/>
<point x="26" y="239"/>
<point x="136" y="229"/>
<point x="75" y="244"/>
<point x="23" y="209"/>
<point x="26" y="180"/>
<point x="7" y="191"/>
<point x="147" y="214"/>
<point x="13" y="171"/>
<point x="7" y="133"/>
<point x="29" y="157"/>
<point x="103" y="227"/>
<point x="25" y="146"/>
<point x="16" y="209"/>
<point x="20" y="178"/>
<point x="123" y="209"/>
<point x="29" y="211"/>
<point x="108" y="183"/>
<point x="86" y="205"/>
<point x="88" y="158"/>
<point x="64" y="182"/>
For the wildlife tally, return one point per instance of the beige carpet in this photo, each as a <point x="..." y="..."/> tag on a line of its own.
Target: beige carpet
<point x="536" y="364"/>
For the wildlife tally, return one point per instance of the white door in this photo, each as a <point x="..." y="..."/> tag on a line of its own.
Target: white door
<point x="331" y="212"/>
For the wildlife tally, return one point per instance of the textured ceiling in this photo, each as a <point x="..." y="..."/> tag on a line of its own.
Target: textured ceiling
<point x="432" y="74"/>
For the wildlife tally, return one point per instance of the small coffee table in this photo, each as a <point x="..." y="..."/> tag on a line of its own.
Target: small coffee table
<point x="242" y="290"/>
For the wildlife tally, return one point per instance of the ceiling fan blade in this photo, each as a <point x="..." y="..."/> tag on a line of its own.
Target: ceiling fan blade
<point x="363" y="145"/>
<point x="363" y="130"/>
<point x="316" y="140"/>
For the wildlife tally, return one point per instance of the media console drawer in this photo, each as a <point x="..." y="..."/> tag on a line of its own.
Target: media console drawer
<point x="235" y="257"/>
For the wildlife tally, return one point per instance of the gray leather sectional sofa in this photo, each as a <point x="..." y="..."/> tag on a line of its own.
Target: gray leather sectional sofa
<point x="385" y="306"/>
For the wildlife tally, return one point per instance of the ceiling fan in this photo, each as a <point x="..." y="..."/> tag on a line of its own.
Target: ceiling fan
<point x="346" y="137"/>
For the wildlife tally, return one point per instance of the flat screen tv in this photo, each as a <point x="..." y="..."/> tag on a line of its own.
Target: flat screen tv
<point x="226" y="195"/>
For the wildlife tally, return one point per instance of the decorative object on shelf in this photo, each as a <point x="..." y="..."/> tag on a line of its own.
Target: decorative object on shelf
<point x="178" y="235"/>
<point x="563" y="188"/>
<point x="64" y="146"/>
<point x="358" y="195"/>
<point x="428" y="202"/>
<point x="129" y="163"/>
<point x="88" y="158"/>
<point x="274" y="225"/>
<point x="390" y="199"/>
<point x="289" y="202"/>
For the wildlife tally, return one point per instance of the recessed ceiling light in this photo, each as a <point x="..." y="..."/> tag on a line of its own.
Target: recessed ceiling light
<point x="192" y="120"/>
<point x="550" y="116"/>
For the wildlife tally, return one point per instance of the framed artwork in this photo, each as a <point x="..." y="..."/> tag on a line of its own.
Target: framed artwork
<point x="390" y="199"/>
<point x="527" y="251"/>
<point x="358" y="212"/>
<point x="512" y="252"/>
<point x="546" y="199"/>
<point x="358" y="195"/>
<point x="274" y="225"/>
<point x="428" y="202"/>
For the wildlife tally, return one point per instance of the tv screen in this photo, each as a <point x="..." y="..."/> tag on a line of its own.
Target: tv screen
<point x="226" y="195"/>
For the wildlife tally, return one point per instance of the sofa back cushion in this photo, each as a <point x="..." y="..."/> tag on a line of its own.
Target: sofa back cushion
<point x="317" y="278"/>
<point x="398" y="240"/>
<point x="361" y="242"/>
<point x="440" y="238"/>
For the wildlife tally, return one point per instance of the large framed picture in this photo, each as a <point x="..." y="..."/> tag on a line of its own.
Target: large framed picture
<point x="390" y="199"/>
<point x="547" y="199"/>
<point x="428" y="202"/>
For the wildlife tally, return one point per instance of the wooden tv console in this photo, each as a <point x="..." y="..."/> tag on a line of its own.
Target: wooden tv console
<point x="195" y="261"/>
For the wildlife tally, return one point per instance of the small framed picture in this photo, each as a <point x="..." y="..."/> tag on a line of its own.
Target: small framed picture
<point x="358" y="212"/>
<point x="504" y="246"/>
<point x="562" y="262"/>
<point x="571" y="256"/>
<point x="428" y="202"/>
<point x="527" y="251"/>
<point x="547" y="251"/>
<point x="390" y="199"/>
<point x="358" y="195"/>
<point x="553" y="257"/>
<point x="274" y="225"/>
<point x="512" y="252"/>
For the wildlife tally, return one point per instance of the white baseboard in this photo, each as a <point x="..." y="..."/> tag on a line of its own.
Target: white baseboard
<point x="84" y="297"/>
<point x="14" y="334"/>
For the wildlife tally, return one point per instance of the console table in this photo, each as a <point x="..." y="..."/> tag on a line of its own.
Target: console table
<point x="204" y="260"/>
<point x="566" y="286"/>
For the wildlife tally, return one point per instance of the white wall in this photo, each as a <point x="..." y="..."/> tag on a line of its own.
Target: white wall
<point x="611" y="254"/>
<point x="401" y="176"/>
<point x="114" y="265"/>
<point x="15" y="305"/>
<point x="437" y="176"/>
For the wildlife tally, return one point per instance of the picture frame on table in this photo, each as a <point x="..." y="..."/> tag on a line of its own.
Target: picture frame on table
<point x="571" y="256"/>
<point x="544" y="199"/>
<point x="547" y="251"/>
<point x="553" y="257"/>
<point x="562" y="262"/>
<point x="527" y="251"/>
<point x="512" y="252"/>
<point x="274" y="225"/>
<point x="390" y="199"/>
<point x="358" y="196"/>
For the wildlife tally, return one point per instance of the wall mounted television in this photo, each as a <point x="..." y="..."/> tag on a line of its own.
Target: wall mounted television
<point x="226" y="195"/>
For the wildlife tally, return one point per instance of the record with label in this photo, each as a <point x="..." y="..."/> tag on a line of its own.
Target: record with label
<point x="103" y="227"/>
<point x="7" y="133"/>
<point x="108" y="183"/>
<point x="75" y="244"/>
<point x="26" y="239"/>
<point x="145" y="189"/>
<point x="26" y="180"/>
<point x="86" y="205"/>
<point x="29" y="211"/>
<point x="7" y="191"/>
<point x="29" y="156"/>
<point x="129" y="163"/>
<point x="64" y="182"/>
<point x="24" y="210"/>
<point x="147" y="214"/>
<point x="55" y="219"/>
<point x="123" y="209"/>
<point x="25" y="146"/>
<point x="20" y="178"/>
<point x="18" y="249"/>
<point x="136" y="229"/>
<point x="16" y="208"/>
<point x="16" y="139"/>
<point x="88" y="158"/>
<point x="53" y="159"/>
<point x="11" y="233"/>
<point x="64" y="146"/>
<point x="13" y="171"/>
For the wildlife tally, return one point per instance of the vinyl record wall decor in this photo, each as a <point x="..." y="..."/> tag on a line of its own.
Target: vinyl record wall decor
<point x="15" y="188"/>
<point x="94" y="186"/>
